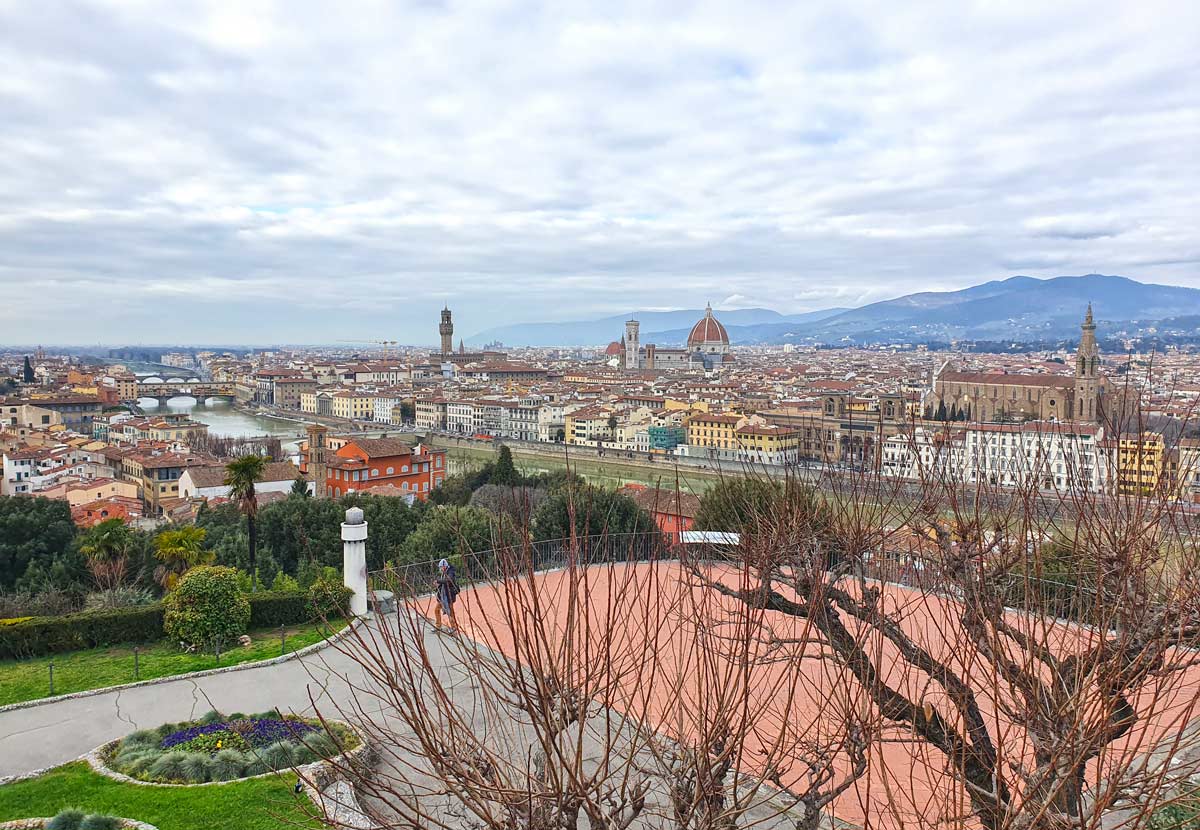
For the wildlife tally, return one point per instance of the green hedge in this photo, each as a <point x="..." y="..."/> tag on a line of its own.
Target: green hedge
<point x="36" y="636"/>
<point x="275" y="608"/>
<point x="88" y="629"/>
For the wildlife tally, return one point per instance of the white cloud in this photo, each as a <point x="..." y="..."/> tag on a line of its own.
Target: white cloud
<point x="319" y="172"/>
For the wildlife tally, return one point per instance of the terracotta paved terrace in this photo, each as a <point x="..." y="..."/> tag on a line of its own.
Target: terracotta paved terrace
<point x="680" y="653"/>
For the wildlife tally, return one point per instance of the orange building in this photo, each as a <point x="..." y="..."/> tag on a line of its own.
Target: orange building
<point x="673" y="512"/>
<point x="113" y="507"/>
<point x="362" y="464"/>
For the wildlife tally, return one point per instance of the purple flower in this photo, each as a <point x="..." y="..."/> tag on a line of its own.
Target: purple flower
<point x="263" y="732"/>
<point x="257" y="733"/>
<point x="185" y="735"/>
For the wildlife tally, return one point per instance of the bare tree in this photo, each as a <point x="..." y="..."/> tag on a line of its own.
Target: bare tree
<point x="992" y="709"/>
<point x="607" y="693"/>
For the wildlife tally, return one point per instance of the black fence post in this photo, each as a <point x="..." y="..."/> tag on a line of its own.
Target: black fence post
<point x="136" y="667"/>
<point x="282" y="646"/>
<point x="51" y="678"/>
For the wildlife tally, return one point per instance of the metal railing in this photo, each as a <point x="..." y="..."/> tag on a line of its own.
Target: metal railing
<point x="479" y="567"/>
<point x="1066" y="596"/>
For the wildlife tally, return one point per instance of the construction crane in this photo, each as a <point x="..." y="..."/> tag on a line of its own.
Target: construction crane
<point x="387" y="344"/>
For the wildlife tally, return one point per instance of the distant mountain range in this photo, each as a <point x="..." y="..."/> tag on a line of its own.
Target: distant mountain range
<point x="663" y="327"/>
<point x="1019" y="309"/>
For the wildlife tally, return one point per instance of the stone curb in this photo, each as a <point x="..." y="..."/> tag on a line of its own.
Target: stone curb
<point x="39" y="823"/>
<point x="156" y="681"/>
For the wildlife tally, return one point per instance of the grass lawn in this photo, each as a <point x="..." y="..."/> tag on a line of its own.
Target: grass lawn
<point x="95" y="668"/>
<point x="261" y="804"/>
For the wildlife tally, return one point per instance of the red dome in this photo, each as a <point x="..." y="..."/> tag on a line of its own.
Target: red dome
<point x="708" y="331"/>
<point x="614" y="349"/>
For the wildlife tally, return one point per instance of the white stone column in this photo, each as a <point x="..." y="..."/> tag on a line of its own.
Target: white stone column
<point x="354" y="559"/>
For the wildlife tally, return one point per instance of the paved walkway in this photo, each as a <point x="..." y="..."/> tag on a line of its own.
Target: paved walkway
<point x="51" y="734"/>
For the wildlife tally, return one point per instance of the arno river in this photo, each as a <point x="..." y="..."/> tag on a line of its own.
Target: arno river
<point x="224" y="420"/>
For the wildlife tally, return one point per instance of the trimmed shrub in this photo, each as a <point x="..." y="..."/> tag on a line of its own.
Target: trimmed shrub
<point x="277" y="756"/>
<point x="328" y="599"/>
<point x="275" y="608"/>
<point x="228" y="764"/>
<point x="87" y="629"/>
<point x="196" y="768"/>
<point x="169" y="767"/>
<point x="168" y="729"/>
<point x="68" y="819"/>
<point x="255" y="766"/>
<point x="322" y="745"/>
<point x="211" y="716"/>
<point x="140" y="762"/>
<point x="143" y="737"/>
<point x="302" y="754"/>
<point x="206" y="608"/>
<point x="100" y="823"/>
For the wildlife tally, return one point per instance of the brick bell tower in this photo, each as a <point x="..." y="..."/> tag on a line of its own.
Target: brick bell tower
<point x="318" y="447"/>
<point x="446" y="330"/>
<point x="1087" y="373"/>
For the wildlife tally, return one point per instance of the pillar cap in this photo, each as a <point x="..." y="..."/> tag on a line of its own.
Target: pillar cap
<point x="354" y="516"/>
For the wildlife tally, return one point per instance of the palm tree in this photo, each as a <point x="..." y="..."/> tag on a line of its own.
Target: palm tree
<point x="179" y="550"/>
<point x="240" y="475"/>
<point x="107" y="547"/>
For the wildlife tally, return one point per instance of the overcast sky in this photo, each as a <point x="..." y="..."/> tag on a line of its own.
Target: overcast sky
<point x="293" y="172"/>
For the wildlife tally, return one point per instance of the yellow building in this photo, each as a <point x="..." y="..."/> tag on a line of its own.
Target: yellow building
<point x="1140" y="464"/>
<point x="352" y="405"/>
<point x="127" y="387"/>
<point x="1186" y="472"/>
<point x="768" y="443"/>
<point x="672" y="405"/>
<point x="588" y="425"/>
<point x="713" y="431"/>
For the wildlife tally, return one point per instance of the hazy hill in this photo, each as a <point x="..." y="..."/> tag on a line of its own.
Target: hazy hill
<point x="1016" y="309"/>
<point x="655" y="326"/>
<point x="1019" y="308"/>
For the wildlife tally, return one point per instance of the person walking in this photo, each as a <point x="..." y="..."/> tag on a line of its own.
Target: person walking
<point x="447" y="593"/>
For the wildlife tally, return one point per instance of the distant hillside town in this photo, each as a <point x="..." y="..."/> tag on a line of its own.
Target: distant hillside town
<point x="1110" y="423"/>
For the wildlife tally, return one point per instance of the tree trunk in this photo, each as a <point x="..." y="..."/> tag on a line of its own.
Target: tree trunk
<point x="252" y="531"/>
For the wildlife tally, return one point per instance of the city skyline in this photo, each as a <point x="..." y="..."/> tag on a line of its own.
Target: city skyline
<point x="229" y="174"/>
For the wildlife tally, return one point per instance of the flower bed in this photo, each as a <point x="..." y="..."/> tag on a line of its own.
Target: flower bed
<point x="72" y="819"/>
<point x="226" y="748"/>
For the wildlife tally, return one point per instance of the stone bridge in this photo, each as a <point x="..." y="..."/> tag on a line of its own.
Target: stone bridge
<point x="195" y="388"/>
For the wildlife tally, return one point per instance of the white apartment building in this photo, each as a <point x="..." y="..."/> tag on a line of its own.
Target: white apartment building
<point x="27" y="471"/>
<point x="935" y="454"/>
<point x="384" y="403"/>
<point x="1049" y="454"/>
<point x="519" y="420"/>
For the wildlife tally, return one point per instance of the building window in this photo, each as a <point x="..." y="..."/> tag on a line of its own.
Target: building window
<point x="404" y="469"/>
<point x="374" y="473"/>
<point x="391" y="470"/>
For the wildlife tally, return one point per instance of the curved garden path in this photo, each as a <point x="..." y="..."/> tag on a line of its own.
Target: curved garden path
<point x="54" y="733"/>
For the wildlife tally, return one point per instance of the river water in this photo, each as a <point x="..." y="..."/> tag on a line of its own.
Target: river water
<point x="224" y="420"/>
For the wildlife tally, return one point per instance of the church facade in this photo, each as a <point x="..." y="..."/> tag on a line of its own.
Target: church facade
<point x="992" y="396"/>
<point x="707" y="348"/>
